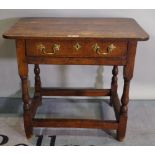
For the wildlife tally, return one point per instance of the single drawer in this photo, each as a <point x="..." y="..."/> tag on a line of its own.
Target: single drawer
<point x="76" y="48"/>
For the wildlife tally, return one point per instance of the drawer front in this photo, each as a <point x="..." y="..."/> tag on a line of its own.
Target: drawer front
<point x="76" y="48"/>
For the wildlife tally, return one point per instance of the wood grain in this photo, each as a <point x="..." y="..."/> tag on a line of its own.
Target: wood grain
<point x="74" y="92"/>
<point x="23" y="73"/>
<point x="117" y="28"/>
<point x="77" y="61"/>
<point x="75" y="123"/>
<point x="124" y="33"/>
<point x="67" y="48"/>
<point x="127" y="74"/>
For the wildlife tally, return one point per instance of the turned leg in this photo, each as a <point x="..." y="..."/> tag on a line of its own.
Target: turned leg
<point x="124" y="111"/>
<point x="127" y="74"/>
<point x="26" y="107"/>
<point x="114" y="84"/>
<point x="37" y="83"/>
<point x="23" y="73"/>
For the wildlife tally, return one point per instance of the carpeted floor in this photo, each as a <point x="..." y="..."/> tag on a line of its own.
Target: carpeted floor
<point x="140" y="129"/>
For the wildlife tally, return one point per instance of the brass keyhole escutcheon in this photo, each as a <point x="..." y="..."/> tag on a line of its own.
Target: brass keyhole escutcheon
<point x="77" y="46"/>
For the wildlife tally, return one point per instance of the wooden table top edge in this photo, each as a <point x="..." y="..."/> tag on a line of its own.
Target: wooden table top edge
<point x="8" y="35"/>
<point x="74" y="38"/>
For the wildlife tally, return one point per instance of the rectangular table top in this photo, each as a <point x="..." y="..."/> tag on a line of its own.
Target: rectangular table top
<point x="106" y="28"/>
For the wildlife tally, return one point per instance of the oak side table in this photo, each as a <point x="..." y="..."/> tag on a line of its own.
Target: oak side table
<point x="76" y="41"/>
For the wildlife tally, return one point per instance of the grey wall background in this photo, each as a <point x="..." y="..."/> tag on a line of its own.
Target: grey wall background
<point x="142" y="85"/>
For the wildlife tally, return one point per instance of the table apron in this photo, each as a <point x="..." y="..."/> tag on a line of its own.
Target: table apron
<point x="76" y="61"/>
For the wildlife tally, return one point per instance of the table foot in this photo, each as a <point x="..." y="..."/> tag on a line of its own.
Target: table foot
<point x="120" y="139"/>
<point x="28" y="134"/>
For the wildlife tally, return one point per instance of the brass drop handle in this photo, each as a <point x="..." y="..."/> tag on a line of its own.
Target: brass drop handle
<point x="98" y="50"/>
<point x="55" y="48"/>
<point x="41" y="47"/>
<point x="111" y="47"/>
